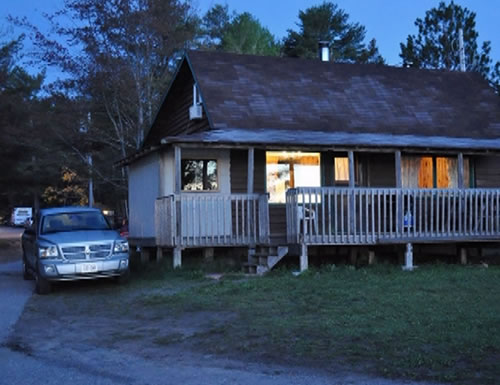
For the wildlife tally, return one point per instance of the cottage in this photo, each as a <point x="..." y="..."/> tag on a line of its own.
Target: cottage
<point x="271" y="153"/>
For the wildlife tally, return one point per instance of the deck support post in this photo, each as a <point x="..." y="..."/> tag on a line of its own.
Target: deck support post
<point x="304" y="259"/>
<point x="159" y="253"/>
<point x="208" y="254"/>
<point x="145" y="253"/>
<point x="463" y="256"/>
<point x="353" y="256"/>
<point x="177" y="257"/>
<point x="408" y="258"/>
<point x="371" y="257"/>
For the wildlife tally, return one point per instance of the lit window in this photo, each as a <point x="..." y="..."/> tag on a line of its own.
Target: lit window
<point x="199" y="175"/>
<point x="341" y="165"/>
<point x="290" y="169"/>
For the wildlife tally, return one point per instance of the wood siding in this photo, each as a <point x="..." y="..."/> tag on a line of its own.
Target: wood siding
<point x="381" y="170"/>
<point x="487" y="171"/>
<point x="173" y="116"/>
<point x="239" y="171"/>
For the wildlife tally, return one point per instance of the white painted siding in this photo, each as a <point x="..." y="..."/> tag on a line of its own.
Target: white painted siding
<point x="143" y="189"/>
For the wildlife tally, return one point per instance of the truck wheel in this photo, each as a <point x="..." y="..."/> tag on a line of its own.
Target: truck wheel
<point x="42" y="286"/>
<point x="124" y="278"/>
<point x="26" y="274"/>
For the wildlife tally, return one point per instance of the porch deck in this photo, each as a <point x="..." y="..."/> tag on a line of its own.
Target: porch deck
<point x="364" y="216"/>
<point x="331" y="216"/>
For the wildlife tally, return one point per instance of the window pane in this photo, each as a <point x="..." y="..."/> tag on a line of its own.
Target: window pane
<point x="278" y="181"/>
<point x="290" y="169"/>
<point x="211" y="183"/>
<point x="425" y="175"/>
<point x="447" y="172"/>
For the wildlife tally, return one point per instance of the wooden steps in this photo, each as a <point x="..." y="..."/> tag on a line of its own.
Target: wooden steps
<point x="263" y="258"/>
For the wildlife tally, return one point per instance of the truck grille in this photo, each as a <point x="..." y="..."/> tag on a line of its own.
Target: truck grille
<point x="102" y="250"/>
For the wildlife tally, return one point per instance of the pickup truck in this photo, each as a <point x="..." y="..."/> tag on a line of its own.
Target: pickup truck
<point x="72" y="243"/>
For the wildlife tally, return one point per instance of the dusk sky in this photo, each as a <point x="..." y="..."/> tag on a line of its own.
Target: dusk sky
<point x="388" y="21"/>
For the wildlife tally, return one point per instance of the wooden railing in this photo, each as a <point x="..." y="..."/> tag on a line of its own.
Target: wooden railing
<point x="203" y="220"/>
<point x="330" y="215"/>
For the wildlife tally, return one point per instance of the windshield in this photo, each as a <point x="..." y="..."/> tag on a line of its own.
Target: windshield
<point x="91" y="220"/>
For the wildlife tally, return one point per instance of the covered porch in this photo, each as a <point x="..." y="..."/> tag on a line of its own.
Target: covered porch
<point x="243" y="215"/>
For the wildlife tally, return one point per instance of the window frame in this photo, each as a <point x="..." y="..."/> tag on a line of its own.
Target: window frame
<point x="204" y="177"/>
<point x="287" y="151"/>
<point x="469" y="182"/>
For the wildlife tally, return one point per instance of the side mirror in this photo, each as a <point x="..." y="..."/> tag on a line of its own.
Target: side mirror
<point x="28" y="223"/>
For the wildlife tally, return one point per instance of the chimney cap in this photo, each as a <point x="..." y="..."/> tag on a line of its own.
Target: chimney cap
<point x="324" y="50"/>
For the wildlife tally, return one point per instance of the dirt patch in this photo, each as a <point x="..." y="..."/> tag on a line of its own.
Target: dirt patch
<point x="10" y="250"/>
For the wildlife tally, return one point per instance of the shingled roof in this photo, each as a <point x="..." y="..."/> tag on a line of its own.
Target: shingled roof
<point x="280" y="100"/>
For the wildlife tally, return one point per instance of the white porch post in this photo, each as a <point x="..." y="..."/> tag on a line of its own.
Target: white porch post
<point x="399" y="199"/>
<point x="352" y="184"/>
<point x="250" y="173"/>
<point x="177" y="254"/>
<point x="250" y="182"/>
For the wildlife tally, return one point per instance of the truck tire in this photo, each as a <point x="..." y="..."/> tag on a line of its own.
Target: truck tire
<point x="124" y="278"/>
<point x="26" y="273"/>
<point x="42" y="286"/>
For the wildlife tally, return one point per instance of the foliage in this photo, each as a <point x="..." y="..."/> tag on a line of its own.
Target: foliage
<point x="238" y="33"/>
<point x="437" y="46"/>
<point x="117" y="57"/>
<point x="71" y="190"/>
<point x="22" y="145"/>
<point x="438" y="322"/>
<point x="246" y="35"/>
<point x="213" y="25"/>
<point x="327" y="22"/>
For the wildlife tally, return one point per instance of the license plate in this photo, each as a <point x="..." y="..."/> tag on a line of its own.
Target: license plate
<point x="89" y="267"/>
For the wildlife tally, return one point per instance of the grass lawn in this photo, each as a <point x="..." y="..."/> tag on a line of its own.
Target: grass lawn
<point x="438" y="322"/>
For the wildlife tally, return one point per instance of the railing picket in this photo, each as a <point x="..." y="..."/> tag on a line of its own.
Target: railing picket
<point x="379" y="213"/>
<point x="497" y="212"/>
<point x="448" y="201"/>
<point x="390" y="214"/>
<point x="372" y="200"/>
<point x="345" y="216"/>
<point x="385" y="213"/>
<point x="329" y="215"/>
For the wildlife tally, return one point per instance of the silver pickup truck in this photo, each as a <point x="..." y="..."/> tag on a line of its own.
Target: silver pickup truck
<point x="72" y="243"/>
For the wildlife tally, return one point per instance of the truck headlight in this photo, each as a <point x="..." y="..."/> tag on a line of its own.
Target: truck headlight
<point x="48" y="252"/>
<point x="121" y="246"/>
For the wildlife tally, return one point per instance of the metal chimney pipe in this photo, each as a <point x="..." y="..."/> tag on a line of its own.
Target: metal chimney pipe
<point x="324" y="50"/>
